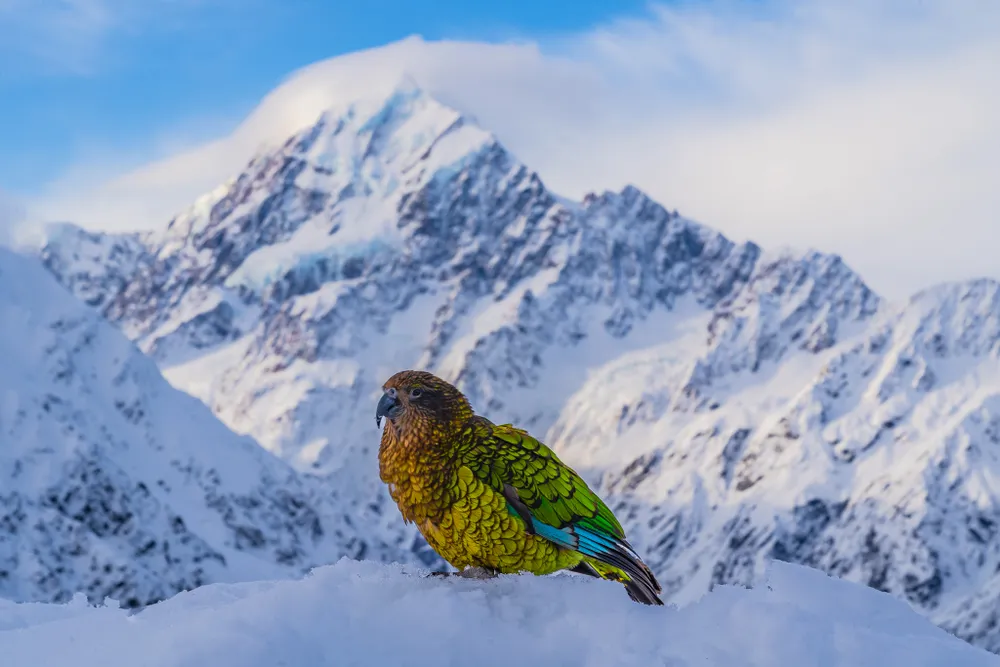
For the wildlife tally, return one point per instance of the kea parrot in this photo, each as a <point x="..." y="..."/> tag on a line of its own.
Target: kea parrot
<point x="491" y="498"/>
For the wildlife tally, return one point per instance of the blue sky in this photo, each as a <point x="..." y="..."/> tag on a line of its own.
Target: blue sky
<point x="110" y="78"/>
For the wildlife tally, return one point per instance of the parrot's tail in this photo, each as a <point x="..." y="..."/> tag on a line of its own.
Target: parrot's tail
<point x="639" y="581"/>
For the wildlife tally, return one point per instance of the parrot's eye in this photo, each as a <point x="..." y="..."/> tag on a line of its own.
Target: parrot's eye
<point x="415" y="393"/>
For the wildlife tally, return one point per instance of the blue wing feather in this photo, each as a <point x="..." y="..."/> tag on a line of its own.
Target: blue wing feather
<point x="610" y="549"/>
<point x="585" y="540"/>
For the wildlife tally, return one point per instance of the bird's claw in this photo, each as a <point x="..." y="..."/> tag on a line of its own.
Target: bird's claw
<point x="468" y="573"/>
<point x="477" y="573"/>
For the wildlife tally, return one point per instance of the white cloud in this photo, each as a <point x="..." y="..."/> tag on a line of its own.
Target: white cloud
<point x="11" y="216"/>
<point x="865" y="128"/>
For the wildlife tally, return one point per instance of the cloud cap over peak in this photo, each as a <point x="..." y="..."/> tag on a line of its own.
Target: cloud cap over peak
<point x="863" y="128"/>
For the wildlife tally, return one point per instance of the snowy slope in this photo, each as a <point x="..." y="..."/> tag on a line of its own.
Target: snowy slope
<point x="360" y="614"/>
<point x="735" y="405"/>
<point x="877" y="461"/>
<point x="113" y="483"/>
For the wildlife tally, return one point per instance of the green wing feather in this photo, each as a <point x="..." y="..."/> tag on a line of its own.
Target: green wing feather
<point x="551" y="490"/>
<point x="559" y="504"/>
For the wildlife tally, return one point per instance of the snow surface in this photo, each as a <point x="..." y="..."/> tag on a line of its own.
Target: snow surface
<point x="363" y="614"/>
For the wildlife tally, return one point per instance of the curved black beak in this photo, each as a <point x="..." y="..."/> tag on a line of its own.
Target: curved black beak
<point x="388" y="406"/>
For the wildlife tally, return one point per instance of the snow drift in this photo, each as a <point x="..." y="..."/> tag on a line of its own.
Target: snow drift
<point x="355" y="614"/>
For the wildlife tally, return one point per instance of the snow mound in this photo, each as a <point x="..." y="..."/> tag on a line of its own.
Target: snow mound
<point x="362" y="613"/>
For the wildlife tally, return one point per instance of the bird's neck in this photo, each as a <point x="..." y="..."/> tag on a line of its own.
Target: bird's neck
<point x="421" y="437"/>
<point x="414" y="458"/>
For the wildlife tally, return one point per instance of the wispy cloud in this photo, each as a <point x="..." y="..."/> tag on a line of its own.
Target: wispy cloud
<point x="12" y="214"/>
<point x="71" y="36"/>
<point x="46" y="35"/>
<point x="867" y="128"/>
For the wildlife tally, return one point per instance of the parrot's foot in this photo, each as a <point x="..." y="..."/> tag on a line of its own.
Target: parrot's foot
<point x="468" y="573"/>
<point x="477" y="573"/>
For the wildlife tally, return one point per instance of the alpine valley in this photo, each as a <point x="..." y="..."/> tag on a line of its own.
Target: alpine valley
<point x="733" y="405"/>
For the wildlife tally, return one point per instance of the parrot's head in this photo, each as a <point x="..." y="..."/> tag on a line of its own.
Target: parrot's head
<point x="419" y="397"/>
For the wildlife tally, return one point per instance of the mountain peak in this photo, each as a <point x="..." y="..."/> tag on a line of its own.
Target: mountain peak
<point x="330" y="193"/>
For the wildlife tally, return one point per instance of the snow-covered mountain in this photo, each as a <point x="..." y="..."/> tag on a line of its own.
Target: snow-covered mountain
<point x="113" y="483"/>
<point x="735" y="404"/>
<point x="877" y="461"/>
<point x="396" y="232"/>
